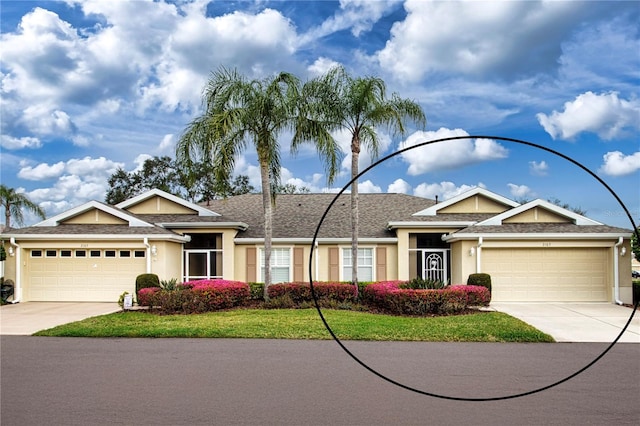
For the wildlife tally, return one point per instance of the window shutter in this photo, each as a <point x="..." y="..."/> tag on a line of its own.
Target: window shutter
<point x="298" y="264"/>
<point x="334" y="264"/>
<point x="251" y="264"/>
<point x="381" y="263"/>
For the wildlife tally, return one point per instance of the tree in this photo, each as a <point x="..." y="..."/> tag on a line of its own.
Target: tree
<point x="14" y="203"/>
<point x="635" y="244"/>
<point x="290" y="188"/>
<point x="194" y="182"/>
<point x="239" y="113"/>
<point x="360" y="105"/>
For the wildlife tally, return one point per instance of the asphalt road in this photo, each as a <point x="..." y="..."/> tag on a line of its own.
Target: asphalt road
<point x="71" y="381"/>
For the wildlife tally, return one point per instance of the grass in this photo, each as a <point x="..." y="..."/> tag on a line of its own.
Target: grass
<point x="306" y="324"/>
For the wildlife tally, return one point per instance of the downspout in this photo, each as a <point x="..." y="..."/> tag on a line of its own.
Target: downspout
<point x="616" y="275"/>
<point x="148" y="246"/>
<point x="17" y="291"/>
<point x="317" y="265"/>
<point x="479" y="255"/>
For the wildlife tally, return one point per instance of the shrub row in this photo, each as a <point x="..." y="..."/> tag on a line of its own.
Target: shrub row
<point x="196" y="296"/>
<point x="390" y="297"/>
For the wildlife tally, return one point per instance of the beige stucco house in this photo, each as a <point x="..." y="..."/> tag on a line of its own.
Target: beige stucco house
<point x="534" y="252"/>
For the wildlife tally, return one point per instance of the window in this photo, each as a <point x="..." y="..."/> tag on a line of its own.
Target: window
<point x="139" y="253"/>
<point x="51" y="253"/>
<point x="365" y="264"/>
<point x="36" y="253"/>
<point x="109" y="253"/>
<point x="125" y="253"/>
<point x="280" y="264"/>
<point x="81" y="253"/>
<point x="94" y="253"/>
<point x="65" y="253"/>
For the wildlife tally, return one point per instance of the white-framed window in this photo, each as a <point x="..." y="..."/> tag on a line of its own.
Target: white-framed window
<point x="365" y="264"/>
<point x="280" y="265"/>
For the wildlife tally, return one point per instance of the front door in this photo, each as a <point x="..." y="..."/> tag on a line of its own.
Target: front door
<point x="435" y="265"/>
<point x="201" y="264"/>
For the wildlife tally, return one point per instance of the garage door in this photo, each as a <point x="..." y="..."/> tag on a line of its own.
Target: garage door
<point x="547" y="275"/>
<point x="91" y="275"/>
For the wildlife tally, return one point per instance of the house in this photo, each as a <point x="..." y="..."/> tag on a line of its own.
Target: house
<point x="534" y="252"/>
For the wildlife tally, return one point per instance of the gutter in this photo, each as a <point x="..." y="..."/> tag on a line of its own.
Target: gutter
<point x="17" y="291"/>
<point x="479" y="255"/>
<point x="145" y="241"/>
<point x="616" y="274"/>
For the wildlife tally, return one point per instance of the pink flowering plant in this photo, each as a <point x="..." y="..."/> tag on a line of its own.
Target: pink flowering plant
<point x="390" y="296"/>
<point x="197" y="296"/>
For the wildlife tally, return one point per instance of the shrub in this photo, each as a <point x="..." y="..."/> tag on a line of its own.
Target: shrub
<point x="146" y="281"/>
<point x="390" y="297"/>
<point x="170" y="284"/>
<point x="196" y="296"/>
<point x="483" y="280"/>
<point x="476" y="295"/>
<point x="299" y="293"/>
<point x="424" y="284"/>
<point x="257" y="291"/>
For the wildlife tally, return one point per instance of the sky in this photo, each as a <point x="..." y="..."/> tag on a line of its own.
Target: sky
<point x="91" y="86"/>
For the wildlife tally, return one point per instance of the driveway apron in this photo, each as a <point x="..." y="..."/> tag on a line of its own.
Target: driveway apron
<point x="577" y="322"/>
<point x="26" y="318"/>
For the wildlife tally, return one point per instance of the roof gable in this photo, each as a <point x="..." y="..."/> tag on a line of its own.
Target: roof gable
<point x="538" y="211"/>
<point x="157" y="201"/>
<point x="476" y="200"/>
<point x="94" y="212"/>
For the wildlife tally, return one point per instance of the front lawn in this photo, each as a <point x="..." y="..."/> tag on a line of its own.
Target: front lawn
<point x="306" y="324"/>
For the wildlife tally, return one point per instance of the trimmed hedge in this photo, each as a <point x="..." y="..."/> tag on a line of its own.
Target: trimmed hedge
<point x="390" y="297"/>
<point x="480" y="279"/>
<point x="299" y="293"/>
<point x="146" y="281"/>
<point x="196" y="296"/>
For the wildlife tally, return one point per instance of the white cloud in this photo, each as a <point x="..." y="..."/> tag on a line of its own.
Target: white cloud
<point x="9" y="142"/>
<point x="368" y="187"/>
<point x="399" y="186"/>
<point x="520" y="191"/>
<point x="365" y="159"/>
<point x="477" y="37"/>
<point x="320" y="66"/>
<point x="618" y="164"/>
<point x="167" y="143"/>
<point x="42" y="171"/>
<point x="538" y="168"/>
<point x="443" y="190"/>
<point x="450" y="154"/>
<point x="604" y="114"/>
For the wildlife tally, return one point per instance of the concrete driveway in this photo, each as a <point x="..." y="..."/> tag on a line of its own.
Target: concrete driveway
<point x="576" y="322"/>
<point x="28" y="317"/>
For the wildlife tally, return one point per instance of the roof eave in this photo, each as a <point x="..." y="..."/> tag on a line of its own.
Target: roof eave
<point x="536" y="236"/>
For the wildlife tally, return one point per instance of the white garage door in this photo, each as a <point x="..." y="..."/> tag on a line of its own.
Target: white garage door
<point x="547" y="275"/>
<point x="91" y="275"/>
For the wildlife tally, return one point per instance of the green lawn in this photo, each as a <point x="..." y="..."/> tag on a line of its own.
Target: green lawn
<point x="306" y="324"/>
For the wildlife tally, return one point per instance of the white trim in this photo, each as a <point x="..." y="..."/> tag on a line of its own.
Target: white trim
<point x="533" y="236"/>
<point x="347" y="249"/>
<point x="56" y="220"/>
<point x="426" y="225"/>
<point x="233" y="225"/>
<point x="107" y="237"/>
<point x="576" y="218"/>
<point x="433" y="210"/>
<point x="259" y="274"/>
<point x="157" y="192"/>
<point x="386" y="240"/>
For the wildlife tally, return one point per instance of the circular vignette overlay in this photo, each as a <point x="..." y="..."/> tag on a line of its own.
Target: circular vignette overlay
<point x="451" y="397"/>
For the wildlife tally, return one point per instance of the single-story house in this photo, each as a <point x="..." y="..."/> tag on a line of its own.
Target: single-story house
<point x="534" y="252"/>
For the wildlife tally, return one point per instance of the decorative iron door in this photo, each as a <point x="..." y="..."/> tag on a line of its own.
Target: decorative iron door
<point x="435" y="265"/>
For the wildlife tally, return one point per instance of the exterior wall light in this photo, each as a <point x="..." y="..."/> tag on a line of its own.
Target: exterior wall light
<point x="11" y="251"/>
<point x="623" y="251"/>
<point x="154" y="250"/>
<point x="472" y="251"/>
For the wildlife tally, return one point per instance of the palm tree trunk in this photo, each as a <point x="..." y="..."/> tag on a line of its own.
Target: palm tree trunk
<point x="7" y="215"/>
<point x="355" y="225"/>
<point x="268" y="224"/>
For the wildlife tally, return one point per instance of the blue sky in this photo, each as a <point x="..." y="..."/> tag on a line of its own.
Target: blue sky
<point x="89" y="86"/>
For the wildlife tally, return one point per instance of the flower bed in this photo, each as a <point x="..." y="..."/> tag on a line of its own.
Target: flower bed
<point x="299" y="293"/>
<point x="196" y="296"/>
<point x="389" y="297"/>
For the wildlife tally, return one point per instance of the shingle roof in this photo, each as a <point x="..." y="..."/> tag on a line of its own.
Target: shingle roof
<point x="85" y="229"/>
<point x="298" y="215"/>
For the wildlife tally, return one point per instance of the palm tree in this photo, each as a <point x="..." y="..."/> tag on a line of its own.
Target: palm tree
<point x="238" y="113"/>
<point x="360" y="106"/>
<point x="14" y="203"/>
